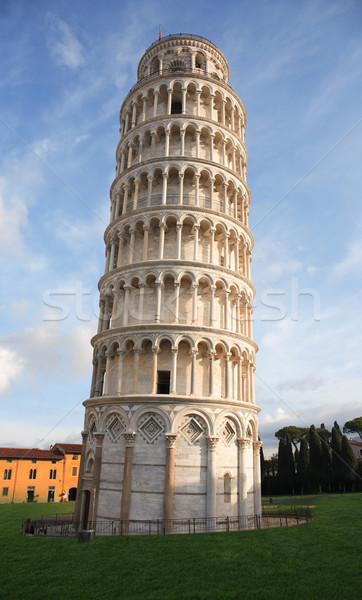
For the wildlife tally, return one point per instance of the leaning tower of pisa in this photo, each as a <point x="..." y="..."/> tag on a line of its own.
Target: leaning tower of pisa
<point x="171" y="423"/>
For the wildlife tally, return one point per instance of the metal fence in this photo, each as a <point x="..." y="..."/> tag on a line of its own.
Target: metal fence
<point x="68" y="528"/>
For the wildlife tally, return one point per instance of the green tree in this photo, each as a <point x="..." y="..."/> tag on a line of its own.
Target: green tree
<point x="282" y="467"/>
<point x="290" y="468"/>
<point x="336" y="448"/>
<point x="315" y="459"/>
<point x="349" y="464"/>
<point x="303" y="466"/>
<point x="326" y="470"/>
<point x="354" y="426"/>
<point x="295" y="433"/>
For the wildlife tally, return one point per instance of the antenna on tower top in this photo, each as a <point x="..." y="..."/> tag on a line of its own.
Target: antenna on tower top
<point x="160" y="34"/>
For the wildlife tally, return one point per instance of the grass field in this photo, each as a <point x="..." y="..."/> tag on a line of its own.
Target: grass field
<point x="320" y="560"/>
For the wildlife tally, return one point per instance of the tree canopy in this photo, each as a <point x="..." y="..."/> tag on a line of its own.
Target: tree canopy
<point x="353" y="426"/>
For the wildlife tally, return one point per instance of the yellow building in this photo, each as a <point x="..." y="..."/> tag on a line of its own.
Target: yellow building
<point x="34" y="475"/>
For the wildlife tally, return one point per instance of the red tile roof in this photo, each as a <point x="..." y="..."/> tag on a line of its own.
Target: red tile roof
<point x="68" y="448"/>
<point x="29" y="453"/>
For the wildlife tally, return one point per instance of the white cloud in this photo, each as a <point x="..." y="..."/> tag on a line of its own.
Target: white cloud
<point x="62" y="43"/>
<point x="13" y="216"/>
<point x="310" y="382"/>
<point x="280" y="416"/>
<point x="11" y="366"/>
<point x="352" y="263"/>
<point x="19" y="308"/>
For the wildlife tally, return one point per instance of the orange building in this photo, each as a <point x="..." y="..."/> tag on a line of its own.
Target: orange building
<point x="33" y="475"/>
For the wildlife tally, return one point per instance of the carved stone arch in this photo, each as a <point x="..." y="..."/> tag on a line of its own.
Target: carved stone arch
<point x="89" y="462"/>
<point x="147" y="431"/>
<point x="250" y="427"/>
<point x="127" y="341"/>
<point x="186" y="274"/>
<point x="228" y="426"/>
<point x="184" y="338"/>
<point x="164" y="336"/>
<point x="90" y="418"/>
<point x="191" y="217"/>
<point x="166" y="273"/>
<point x="107" y="415"/>
<point x="180" y="421"/>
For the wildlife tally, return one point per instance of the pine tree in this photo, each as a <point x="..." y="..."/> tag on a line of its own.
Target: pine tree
<point x="315" y="459"/>
<point x="303" y="466"/>
<point x="289" y="463"/>
<point x="282" y="467"/>
<point x="337" y="465"/>
<point x="349" y="464"/>
<point x="326" y="466"/>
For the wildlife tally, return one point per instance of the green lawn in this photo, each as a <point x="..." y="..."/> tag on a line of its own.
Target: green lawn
<point x="320" y="560"/>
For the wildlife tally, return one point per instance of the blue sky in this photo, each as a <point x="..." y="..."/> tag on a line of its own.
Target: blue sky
<point x="65" y="70"/>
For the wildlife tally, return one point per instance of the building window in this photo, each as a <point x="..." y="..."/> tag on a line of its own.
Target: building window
<point x="9" y="460"/>
<point x="52" y="474"/>
<point x="74" y="471"/>
<point x="163" y="382"/>
<point x="54" y="462"/>
<point x="32" y="474"/>
<point x="75" y="456"/>
<point x="5" y="491"/>
<point x="33" y="461"/>
<point x="7" y="474"/>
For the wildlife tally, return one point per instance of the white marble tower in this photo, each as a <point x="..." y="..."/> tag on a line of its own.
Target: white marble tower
<point x="171" y="423"/>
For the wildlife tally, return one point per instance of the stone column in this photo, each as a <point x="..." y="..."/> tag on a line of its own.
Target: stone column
<point x="169" y="489"/>
<point x="136" y="366"/>
<point x="146" y="230"/>
<point x="193" y="370"/>
<point x="197" y="144"/>
<point x="243" y="444"/>
<point x="141" y="301"/>
<point x="198" y="94"/>
<point x="140" y="151"/>
<point x="227" y="309"/>
<point x="169" y="101"/>
<point x="212" y="307"/>
<point x="212" y="242"/>
<point x="179" y="237"/>
<point x="212" y="136"/>
<point x="125" y="305"/>
<point x="158" y="301"/>
<point x="134" y="109"/>
<point x="182" y="135"/>
<point x="121" y="354"/>
<point x="129" y="158"/>
<point x="167" y="142"/>
<point x="94" y="376"/>
<point x="211" y="373"/>
<point x="131" y="245"/>
<point x="135" y="197"/>
<point x="144" y="107"/>
<point x="257" y="478"/>
<point x="211" y="476"/>
<point x="164" y="188"/>
<point x="155" y="103"/>
<point x="227" y="375"/>
<point x="224" y="153"/>
<point x="181" y="188"/>
<point x="197" y="190"/>
<point x="223" y="112"/>
<point x="127" y="480"/>
<point x="96" y="476"/>
<point x="177" y="301"/>
<point x="194" y="302"/>
<point x="211" y="192"/>
<point x="174" y="352"/>
<point x="125" y="199"/>
<point x="184" y="101"/>
<point x="108" y="255"/>
<point x="154" y="370"/>
<point x="196" y="241"/>
<point x="149" y="189"/>
<point x="109" y="356"/>
<point x="161" y="241"/>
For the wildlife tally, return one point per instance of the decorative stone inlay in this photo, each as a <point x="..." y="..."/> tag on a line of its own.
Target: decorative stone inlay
<point x="115" y="428"/>
<point x="227" y="432"/>
<point x="192" y="430"/>
<point x="151" y="428"/>
<point x="92" y="431"/>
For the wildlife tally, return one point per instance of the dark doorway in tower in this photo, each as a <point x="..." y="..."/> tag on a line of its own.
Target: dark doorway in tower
<point x="176" y="108"/>
<point x="163" y="382"/>
<point x="86" y="503"/>
<point x="72" y="494"/>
